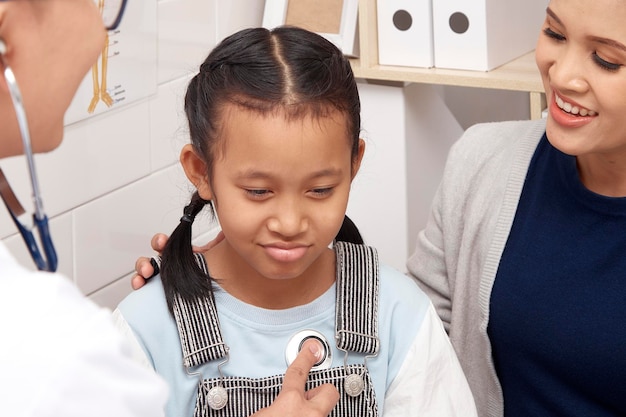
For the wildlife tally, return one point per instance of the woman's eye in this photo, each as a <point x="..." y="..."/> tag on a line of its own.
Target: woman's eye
<point x="609" y="66"/>
<point x="552" y="34"/>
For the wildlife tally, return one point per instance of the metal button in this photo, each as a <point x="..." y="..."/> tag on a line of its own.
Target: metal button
<point x="217" y="398"/>
<point x="354" y="385"/>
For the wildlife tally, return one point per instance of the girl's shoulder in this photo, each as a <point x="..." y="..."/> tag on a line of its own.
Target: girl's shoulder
<point x="146" y="305"/>
<point x="401" y="293"/>
<point x="356" y="266"/>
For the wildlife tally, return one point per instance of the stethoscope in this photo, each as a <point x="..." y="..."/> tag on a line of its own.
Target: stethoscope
<point x="45" y="260"/>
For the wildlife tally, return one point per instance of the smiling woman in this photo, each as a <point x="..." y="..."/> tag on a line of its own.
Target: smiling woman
<point x="525" y="265"/>
<point x="583" y="89"/>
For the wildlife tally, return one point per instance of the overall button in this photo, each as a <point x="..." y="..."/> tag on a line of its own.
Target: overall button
<point x="217" y="398"/>
<point x="354" y="385"/>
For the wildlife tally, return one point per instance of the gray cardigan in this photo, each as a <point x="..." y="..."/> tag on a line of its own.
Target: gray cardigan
<point x="458" y="252"/>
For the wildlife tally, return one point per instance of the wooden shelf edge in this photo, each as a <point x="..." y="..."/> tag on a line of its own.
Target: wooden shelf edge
<point x="520" y="74"/>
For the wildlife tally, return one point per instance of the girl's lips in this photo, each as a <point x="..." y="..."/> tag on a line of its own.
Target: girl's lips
<point x="286" y="254"/>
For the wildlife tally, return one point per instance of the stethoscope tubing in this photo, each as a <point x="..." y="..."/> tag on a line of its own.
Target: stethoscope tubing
<point x="40" y="220"/>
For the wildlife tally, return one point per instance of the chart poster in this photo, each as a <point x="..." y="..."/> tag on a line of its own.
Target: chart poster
<point x="126" y="70"/>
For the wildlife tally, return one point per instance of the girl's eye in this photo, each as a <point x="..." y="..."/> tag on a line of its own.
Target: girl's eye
<point x="552" y="34"/>
<point x="257" y="194"/>
<point x="322" y="192"/>
<point x="609" y="66"/>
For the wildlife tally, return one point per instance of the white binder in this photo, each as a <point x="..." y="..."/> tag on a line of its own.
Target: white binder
<point x="405" y="33"/>
<point x="484" y="34"/>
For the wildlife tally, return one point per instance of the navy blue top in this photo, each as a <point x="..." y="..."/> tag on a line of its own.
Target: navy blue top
<point x="558" y="307"/>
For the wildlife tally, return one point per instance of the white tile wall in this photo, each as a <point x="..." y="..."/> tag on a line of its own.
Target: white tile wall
<point x="238" y="14"/>
<point x="168" y="126"/>
<point x="114" y="229"/>
<point x="186" y="32"/>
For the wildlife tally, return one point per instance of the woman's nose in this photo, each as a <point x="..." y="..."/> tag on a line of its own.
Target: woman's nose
<point x="567" y="73"/>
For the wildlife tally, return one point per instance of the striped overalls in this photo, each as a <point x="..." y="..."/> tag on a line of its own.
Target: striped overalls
<point x="356" y="330"/>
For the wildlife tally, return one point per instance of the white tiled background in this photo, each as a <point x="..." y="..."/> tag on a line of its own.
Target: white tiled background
<point x="115" y="180"/>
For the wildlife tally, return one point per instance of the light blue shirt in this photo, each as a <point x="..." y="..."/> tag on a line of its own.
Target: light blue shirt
<point x="257" y="339"/>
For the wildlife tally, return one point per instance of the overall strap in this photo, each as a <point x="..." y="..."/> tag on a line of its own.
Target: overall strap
<point x="199" y="328"/>
<point x="356" y="320"/>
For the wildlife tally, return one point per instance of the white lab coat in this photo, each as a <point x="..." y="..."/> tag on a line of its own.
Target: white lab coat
<point x="60" y="354"/>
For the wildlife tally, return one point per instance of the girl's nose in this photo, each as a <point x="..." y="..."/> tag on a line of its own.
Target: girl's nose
<point x="289" y="219"/>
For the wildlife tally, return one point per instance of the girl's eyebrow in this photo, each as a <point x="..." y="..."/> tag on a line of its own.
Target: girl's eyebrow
<point x="605" y="41"/>
<point x="255" y="174"/>
<point x="330" y="172"/>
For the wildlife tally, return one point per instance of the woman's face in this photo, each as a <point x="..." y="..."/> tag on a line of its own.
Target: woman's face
<point x="51" y="44"/>
<point x="581" y="55"/>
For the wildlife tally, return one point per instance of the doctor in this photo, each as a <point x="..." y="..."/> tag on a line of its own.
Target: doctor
<point x="60" y="354"/>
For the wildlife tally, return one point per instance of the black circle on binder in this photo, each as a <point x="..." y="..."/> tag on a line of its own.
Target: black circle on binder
<point x="402" y="20"/>
<point x="459" y="23"/>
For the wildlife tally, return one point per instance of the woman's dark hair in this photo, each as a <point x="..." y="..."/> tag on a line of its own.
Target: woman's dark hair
<point x="287" y="70"/>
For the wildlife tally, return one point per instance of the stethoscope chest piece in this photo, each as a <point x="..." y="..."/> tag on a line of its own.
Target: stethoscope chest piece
<point x="295" y="345"/>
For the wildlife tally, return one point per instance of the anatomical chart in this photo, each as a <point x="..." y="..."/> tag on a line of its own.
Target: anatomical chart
<point x="126" y="70"/>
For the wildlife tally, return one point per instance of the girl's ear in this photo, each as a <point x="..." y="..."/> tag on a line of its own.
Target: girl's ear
<point x="197" y="171"/>
<point x="356" y="163"/>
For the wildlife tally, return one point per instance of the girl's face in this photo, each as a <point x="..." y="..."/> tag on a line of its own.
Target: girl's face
<point x="281" y="188"/>
<point x="581" y="55"/>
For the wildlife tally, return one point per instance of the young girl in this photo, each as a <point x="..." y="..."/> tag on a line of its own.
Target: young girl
<point x="274" y="119"/>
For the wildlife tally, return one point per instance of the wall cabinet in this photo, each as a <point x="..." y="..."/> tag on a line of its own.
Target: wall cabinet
<point x="520" y="74"/>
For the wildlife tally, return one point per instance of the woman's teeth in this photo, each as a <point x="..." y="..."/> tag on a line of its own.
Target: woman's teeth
<point x="575" y="110"/>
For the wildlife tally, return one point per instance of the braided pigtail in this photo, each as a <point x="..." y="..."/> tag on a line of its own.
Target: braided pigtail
<point x="180" y="272"/>
<point x="349" y="232"/>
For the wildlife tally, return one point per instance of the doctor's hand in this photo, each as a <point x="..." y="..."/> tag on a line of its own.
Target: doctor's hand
<point x="293" y="400"/>
<point x="146" y="268"/>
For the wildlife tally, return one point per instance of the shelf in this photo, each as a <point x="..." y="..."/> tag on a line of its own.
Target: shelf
<point x="521" y="74"/>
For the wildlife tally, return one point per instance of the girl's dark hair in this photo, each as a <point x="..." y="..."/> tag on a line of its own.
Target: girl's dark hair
<point x="288" y="70"/>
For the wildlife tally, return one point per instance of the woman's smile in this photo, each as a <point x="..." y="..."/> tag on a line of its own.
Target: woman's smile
<point x="569" y="115"/>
